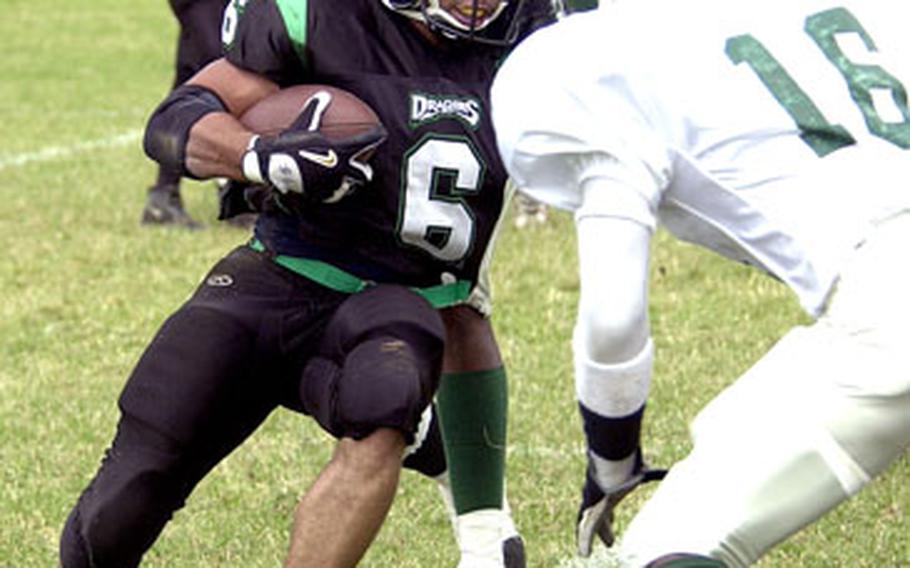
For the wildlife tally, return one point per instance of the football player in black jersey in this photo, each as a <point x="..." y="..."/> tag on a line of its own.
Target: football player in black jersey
<point x="328" y="309"/>
<point x="198" y="43"/>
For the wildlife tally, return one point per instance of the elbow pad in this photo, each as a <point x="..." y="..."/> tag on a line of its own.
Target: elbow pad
<point x="168" y="128"/>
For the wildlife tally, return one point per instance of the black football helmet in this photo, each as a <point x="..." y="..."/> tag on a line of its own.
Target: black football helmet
<point x="489" y="22"/>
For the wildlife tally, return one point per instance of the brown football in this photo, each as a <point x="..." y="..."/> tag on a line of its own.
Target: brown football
<point x="345" y="116"/>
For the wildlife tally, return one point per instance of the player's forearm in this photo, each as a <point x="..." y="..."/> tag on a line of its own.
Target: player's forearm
<point x="195" y="132"/>
<point x="216" y="145"/>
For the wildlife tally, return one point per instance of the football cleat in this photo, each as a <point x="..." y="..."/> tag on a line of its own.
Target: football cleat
<point x="513" y="552"/>
<point x="595" y="516"/>
<point x="163" y="206"/>
<point x="685" y="560"/>
<point x="488" y="539"/>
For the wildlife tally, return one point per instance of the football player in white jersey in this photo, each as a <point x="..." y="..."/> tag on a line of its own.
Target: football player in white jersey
<point x="775" y="134"/>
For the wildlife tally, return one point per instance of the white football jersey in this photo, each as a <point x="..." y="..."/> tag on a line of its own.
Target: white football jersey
<point x="771" y="132"/>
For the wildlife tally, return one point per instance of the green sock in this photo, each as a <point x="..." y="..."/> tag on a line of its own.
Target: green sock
<point x="473" y="412"/>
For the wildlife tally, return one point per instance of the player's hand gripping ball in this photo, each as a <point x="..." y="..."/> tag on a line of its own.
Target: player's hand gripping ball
<point x="312" y="142"/>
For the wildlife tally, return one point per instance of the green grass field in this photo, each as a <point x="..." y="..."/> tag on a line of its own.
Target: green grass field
<point x="84" y="287"/>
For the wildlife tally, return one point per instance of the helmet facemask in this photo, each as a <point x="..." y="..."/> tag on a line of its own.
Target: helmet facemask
<point x="474" y="24"/>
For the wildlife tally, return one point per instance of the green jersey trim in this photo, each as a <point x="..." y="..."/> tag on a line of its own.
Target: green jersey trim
<point x="294" y="14"/>
<point x="441" y="296"/>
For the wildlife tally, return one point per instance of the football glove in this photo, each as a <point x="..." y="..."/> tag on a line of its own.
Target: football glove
<point x="301" y="161"/>
<point x="595" y="516"/>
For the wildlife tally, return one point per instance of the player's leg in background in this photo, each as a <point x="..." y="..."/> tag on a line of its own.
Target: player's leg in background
<point x="198" y="43"/>
<point x="820" y="415"/>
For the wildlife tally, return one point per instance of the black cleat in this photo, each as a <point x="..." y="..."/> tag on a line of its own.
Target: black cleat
<point x="595" y="515"/>
<point x="513" y="552"/>
<point x="685" y="561"/>
<point x="163" y="206"/>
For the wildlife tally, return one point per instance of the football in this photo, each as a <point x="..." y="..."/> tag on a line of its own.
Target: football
<point x="345" y="116"/>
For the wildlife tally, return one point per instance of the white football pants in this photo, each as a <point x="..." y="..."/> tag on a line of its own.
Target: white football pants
<point x="821" y="414"/>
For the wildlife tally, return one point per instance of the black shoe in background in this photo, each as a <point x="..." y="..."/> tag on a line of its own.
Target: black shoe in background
<point x="163" y="206"/>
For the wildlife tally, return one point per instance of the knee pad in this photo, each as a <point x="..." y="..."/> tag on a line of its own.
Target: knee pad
<point x="382" y="385"/>
<point x="378" y="364"/>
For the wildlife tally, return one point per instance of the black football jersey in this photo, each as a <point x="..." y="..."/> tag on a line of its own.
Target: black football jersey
<point x="438" y="185"/>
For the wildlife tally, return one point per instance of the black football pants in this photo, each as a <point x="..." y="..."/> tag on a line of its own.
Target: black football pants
<point x="212" y="374"/>
<point x="199" y="41"/>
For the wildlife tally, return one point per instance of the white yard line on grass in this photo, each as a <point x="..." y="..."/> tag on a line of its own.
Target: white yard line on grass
<point x="56" y="152"/>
